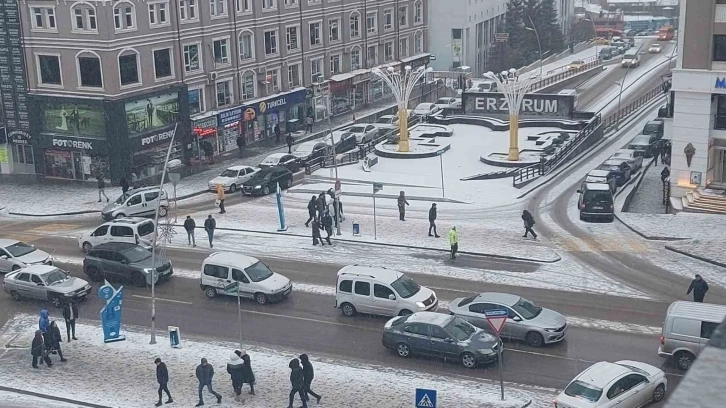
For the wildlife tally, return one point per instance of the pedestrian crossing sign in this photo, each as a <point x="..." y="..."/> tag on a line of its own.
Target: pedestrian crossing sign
<point x="425" y="398"/>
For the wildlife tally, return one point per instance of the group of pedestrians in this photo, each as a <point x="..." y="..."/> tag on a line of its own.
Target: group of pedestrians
<point x="301" y="378"/>
<point x="48" y="337"/>
<point x="210" y="224"/>
<point x="320" y="218"/>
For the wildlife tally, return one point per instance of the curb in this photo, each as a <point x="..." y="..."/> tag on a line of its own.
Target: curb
<point x="52" y="398"/>
<point x="481" y="254"/>
<point x="700" y="258"/>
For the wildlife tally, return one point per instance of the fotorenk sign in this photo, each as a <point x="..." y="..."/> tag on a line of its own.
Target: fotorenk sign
<point x="533" y="105"/>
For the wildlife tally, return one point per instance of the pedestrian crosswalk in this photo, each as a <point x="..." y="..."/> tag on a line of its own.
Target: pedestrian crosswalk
<point x="36" y="233"/>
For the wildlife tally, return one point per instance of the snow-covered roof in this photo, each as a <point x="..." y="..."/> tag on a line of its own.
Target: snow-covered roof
<point x="383" y="274"/>
<point x="496" y="297"/>
<point x="232" y="259"/>
<point x="437" y="319"/>
<point x="598" y="186"/>
<point x="601" y="374"/>
<point x="238" y="168"/>
<point x="598" y="173"/>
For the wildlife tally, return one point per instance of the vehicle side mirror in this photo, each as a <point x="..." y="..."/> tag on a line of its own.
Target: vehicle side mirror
<point x="32" y="245"/>
<point x="128" y="204"/>
<point x="3" y="257"/>
<point x="516" y="318"/>
<point x="579" y="191"/>
<point x="391" y="297"/>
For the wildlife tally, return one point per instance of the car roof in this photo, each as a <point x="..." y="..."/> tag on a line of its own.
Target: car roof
<point x="310" y="143"/>
<point x="614" y="162"/>
<point x="701" y="311"/>
<point x="654" y="122"/>
<point x="505" y="299"/>
<point x="645" y="139"/>
<point x="238" y="168"/>
<point x="374" y="272"/>
<point x="387" y="117"/>
<point x="597" y="186"/>
<point x="231" y="259"/>
<point x="115" y="246"/>
<point x="127" y="220"/>
<point x="598" y="173"/>
<point x="437" y="319"/>
<point x="275" y="156"/>
<point x="38" y="269"/>
<point x="624" y="151"/>
<point x="5" y="242"/>
<point x="601" y="374"/>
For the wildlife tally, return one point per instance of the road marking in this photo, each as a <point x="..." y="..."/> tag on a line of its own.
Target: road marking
<point x="535" y="353"/>
<point x="50" y="228"/>
<point x="24" y="237"/>
<point x="307" y="319"/>
<point x="163" y="300"/>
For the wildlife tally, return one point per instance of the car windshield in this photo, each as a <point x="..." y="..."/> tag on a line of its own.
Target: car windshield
<point x="229" y="173"/>
<point x="383" y="120"/>
<point x="357" y="129"/>
<point x="271" y="160"/>
<point x="258" y="272"/>
<point x="259" y="176"/>
<point x="649" y="129"/>
<point x="405" y="287"/>
<point x="136" y="254"/>
<point x="19" y="249"/>
<point x="460" y="329"/>
<point x="623" y="155"/>
<point x="442" y="102"/>
<point x="304" y="150"/>
<point x="51" y="278"/>
<point x="527" y="309"/>
<point x="583" y="390"/>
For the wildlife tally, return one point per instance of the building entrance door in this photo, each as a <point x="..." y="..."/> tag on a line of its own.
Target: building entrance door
<point x="719" y="168"/>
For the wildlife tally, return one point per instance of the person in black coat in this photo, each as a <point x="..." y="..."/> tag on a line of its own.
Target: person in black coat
<point x="289" y="141"/>
<point x="235" y="368"/>
<point x="55" y="340"/>
<point x="528" y="224"/>
<point x="240" y="145"/>
<point x="327" y="222"/>
<point x="308" y="375"/>
<point x="124" y="185"/>
<point x="312" y="209"/>
<point x="297" y="380"/>
<point x="101" y="187"/>
<point x="247" y="375"/>
<point x="37" y="350"/>
<point x="190" y="226"/>
<point x="322" y="205"/>
<point x="70" y="314"/>
<point x="432" y="220"/>
<point x="277" y="133"/>
<point x="699" y="287"/>
<point x="316" y="233"/>
<point x="162" y="377"/>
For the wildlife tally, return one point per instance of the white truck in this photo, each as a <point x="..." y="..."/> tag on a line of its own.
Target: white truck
<point x="631" y="59"/>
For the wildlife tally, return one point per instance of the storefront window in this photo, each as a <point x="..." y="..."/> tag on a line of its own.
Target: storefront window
<point x="23" y="154"/>
<point x="75" y="165"/>
<point x="379" y="90"/>
<point x="150" y="162"/>
<point x="195" y="101"/>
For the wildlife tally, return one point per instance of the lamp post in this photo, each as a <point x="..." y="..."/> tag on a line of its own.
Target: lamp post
<point x="514" y="89"/>
<point x="620" y="96"/>
<point x="402" y="84"/>
<point x="594" y="30"/>
<point x="539" y="44"/>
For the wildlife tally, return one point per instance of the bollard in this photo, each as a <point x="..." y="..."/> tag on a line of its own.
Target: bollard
<point x="356" y="229"/>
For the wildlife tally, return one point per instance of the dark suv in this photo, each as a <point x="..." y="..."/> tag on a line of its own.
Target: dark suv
<point x="654" y="127"/>
<point x="125" y="261"/>
<point x="596" y="201"/>
<point x="265" y="181"/>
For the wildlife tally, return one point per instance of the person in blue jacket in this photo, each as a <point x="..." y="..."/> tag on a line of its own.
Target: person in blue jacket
<point x="44" y="321"/>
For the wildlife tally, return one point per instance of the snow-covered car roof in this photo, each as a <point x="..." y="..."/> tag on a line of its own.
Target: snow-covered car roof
<point x="597" y="186"/>
<point x="437" y="319"/>
<point x="238" y="168"/>
<point x="598" y="173"/>
<point x="232" y="258"/>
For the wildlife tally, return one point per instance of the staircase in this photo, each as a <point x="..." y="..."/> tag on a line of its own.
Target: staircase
<point x="705" y="201"/>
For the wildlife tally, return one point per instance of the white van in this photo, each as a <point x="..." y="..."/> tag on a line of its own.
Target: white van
<point x="137" y="202"/>
<point x="221" y="270"/>
<point x="134" y="230"/>
<point x="686" y="330"/>
<point x="381" y="291"/>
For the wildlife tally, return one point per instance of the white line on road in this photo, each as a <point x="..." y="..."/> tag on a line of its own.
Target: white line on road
<point x="163" y="300"/>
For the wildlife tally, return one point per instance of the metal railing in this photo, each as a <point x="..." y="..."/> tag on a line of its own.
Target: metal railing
<point x="569" y="73"/>
<point x="527" y="173"/>
<point x="632" y="107"/>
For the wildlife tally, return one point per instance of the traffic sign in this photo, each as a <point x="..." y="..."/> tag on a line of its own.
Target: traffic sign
<point x="496" y="319"/>
<point x="425" y="398"/>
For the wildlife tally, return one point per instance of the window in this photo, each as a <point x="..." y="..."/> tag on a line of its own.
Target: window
<point x="218" y="8"/>
<point x="221" y="51"/>
<point x="292" y="38"/>
<point x="293" y="75"/>
<point x="128" y="67"/>
<point x="157" y="14"/>
<point x="248" y="86"/>
<point x="44" y="18"/>
<point x="418" y="329"/>
<point x="418" y="12"/>
<point x="84" y="18"/>
<point x="239" y="276"/>
<point x="216" y="271"/>
<point x="89" y="69"/>
<point x="382" y="292"/>
<point x="363" y="288"/>
<point x="224" y="93"/>
<point x="619" y="387"/>
<point x="24" y="277"/>
<point x="49" y="69"/>
<point x="36" y="279"/>
<point x="162" y="63"/>
<point x="188" y="10"/>
<point x="456" y="33"/>
<point x="121" y="231"/>
<point x="388" y="51"/>
<point x="191" y="57"/>
<point x="334" y="64"/>
<point x="246" y="50"/>
<point x="403" y="48"/>
<point x="135" y="200"/>
<point x="372" y="56"/>
<point x="270" y="42"/>
<point x="707" y="329"/>
<point x="273" y="79"/>
<point x="316" y="69"/>
<point x="387" y="19"/>
<point x="372" y="22"/>
<point x="124" y="17"/>
<point x="269" y="4"/>
<point x="403" y="16"/>
<point x="355" y="59"/>
<point x="334" y="30"/>
<point x="315" y="33"/>
<point x="244" y="6"/>
<point x="291" y="3"/>
<point x="481" y="307"/>
<point x="354" y="25"/>
<point x="196" y="101"/>
<point x="439" y="333"/>
<point x="346" y="286"/>
<point x="101" y="231"/>
<point x="418" y="43"/>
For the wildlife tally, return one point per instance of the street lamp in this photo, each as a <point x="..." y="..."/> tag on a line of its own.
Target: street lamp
<point x="539" y="44"/>
<point x="620" y="96"/>
<point x="402" y="84"/>
<point x="594" y="31"/>
<point x="514" y="89"/>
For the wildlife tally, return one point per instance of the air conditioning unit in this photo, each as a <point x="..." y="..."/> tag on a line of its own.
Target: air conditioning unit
<point x="211" y="77"/>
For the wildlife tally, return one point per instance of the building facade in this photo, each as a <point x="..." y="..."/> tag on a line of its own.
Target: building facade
<point x="109" y="78"/>
<point x="698" y="127"/>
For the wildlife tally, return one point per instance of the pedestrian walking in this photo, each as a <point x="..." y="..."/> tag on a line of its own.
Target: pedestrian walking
<point x="240" y="145"/>
<point x="190" y="225"/>
<point x="210" y="224"/>
<point x="298" y="383"/>
<point x="316" y="233"/>
<point x="289" y="140"/>
<point x="657" y="147"/>
<point x="276" y="129"/>
<point x="454" y="242"/>
<point x="312" y="209"/>
<point x="322" y="205"/>
<point x="309" y="124"/>
<point x="205" y="373"/>
<point x="124" y="186"/>
<point x="235" y="368"/>
<point x="327" y="222"/>
<point x="528" y="224"/>
<point x="432" y="220"/>
<point x="162" y="377"/>
<point x="665" y="173"/>
<point x="699" y="287"/>
<point x="37" y="350"/>
<point x="402" y="203"/>
<point x="44" y="321"/>
<point x="248" y="376"/>
<point x="56" y="339"/>
<point x="70" y="314"/>
<point x="308" y="375"/>
<point x="101" y="187"/>
<point x="220" y="198"/>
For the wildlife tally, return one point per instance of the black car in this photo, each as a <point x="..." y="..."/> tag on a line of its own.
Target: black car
<point x="440" y="335"/>
<point x="127" y="262"/>
<point x="644" y="145"/>
<point x="596" y="201"/>
<point x="265" y="181"/>
<point x="654" y="128"/>
<point x="311" y="150"/>
<point x="346" y="142"/>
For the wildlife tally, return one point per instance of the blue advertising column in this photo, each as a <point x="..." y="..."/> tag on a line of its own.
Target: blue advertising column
<point x="111" y="313"/>
<point x="280" y="210"/>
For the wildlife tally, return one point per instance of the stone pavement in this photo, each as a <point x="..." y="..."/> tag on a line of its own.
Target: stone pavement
<point x="706" y="250"/>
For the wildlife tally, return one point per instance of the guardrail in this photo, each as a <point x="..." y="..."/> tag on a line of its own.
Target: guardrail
<point x="630" y="108"/>
<point x="545" y="82"/>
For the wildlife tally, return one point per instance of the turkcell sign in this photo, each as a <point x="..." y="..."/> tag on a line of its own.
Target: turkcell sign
<point x="720" y="83"/>
<point x="159" y="137"/>
<point x="528" y="105"/>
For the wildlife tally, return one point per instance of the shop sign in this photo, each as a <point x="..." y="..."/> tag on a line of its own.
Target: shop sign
<point x="19" y="137"/>
<point x="363" y="77"/>
<point x="532" y="105"/>
<point x="229" y="116"/>
<point x="249" y="114"/>
<point x="420" y="62"/>
<point x="341" y="85"/>
<point x="275" y="103"/>
<point x="280" y="102"/>
<point x="210" y="122"/>
<point x="158" y="137"/>
<point x="720" y="83"/>
<point x="12" y="67"/>
<point x="72" y="144"/>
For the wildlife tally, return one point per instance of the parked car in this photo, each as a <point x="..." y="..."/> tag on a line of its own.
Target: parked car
<point x="381" y="291"/>
<point x="364" y="132"/>
<point x="448" y="102"/>
<point x="265" y="181"/>
<point x="601" y="177"/>
<point x="576" y="64"/>
<point x="623" y="384"/>
<point x="388" y="122"/>
<point x="134" y="230"/>
<point x="232" y="178"/>
<point x="288" y="161"/>
<point x="15" y="254"/>
<point x="45" y="282"/>
<point x="596" y="202"/>
<point x="126" y="262"/>
<point x="526" y="321"/>
<point x="344" y="142"/>
<point x="654" y="127"/>
<point x="686" y="330"/>
<point x="255" y="279"/>
<point x="655" y="48"/>
<point x="635" y="162"/>
<point x="606" y="53"/>
<point x="440" y="335"/>
<point x="643" y="145"/>
<point x="425" y="109"/>
<point x="311" y="150"/>
<point x="138" y="202"/>
<point x="619" y="169"/>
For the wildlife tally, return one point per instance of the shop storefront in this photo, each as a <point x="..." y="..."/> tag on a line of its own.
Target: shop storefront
<point x="416" y="61"/>
<point x="341" y="93"/>
<point x="74" y="158"/>
<point x="229" y="124"/>
<point x="21" y="151"/>
<point x="149" y="153"/>
<point x="204" y="135"/>
<point x="284" y="110"/>
<point x="379" y="89"/>
<point x="361" y="82"/>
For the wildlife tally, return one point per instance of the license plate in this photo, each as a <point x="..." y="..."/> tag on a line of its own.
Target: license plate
<point x="596" y="207"/>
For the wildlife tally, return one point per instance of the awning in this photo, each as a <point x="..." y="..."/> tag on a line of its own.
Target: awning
<point x="415" y="57"/>
<point x="342" y="77"/>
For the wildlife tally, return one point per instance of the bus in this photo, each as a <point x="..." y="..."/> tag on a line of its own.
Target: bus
<point x="666" y="33"/>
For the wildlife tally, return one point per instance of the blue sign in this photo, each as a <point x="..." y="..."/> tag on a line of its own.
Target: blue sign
<point x="111" y="313"/>
<point x="281" y="102"/>
<point x="496" y="313"/>
<point x="425" y="398"/>
<point x="280" y="210"/>
<point x="720" y="83"/>
<point x="229" y="116"/>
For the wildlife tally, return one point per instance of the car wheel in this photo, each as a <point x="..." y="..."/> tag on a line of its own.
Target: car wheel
<point x="265" y="190"/>
<point x="684" y="360"/>
<point x="93" y="274"/>
<point x="139" y="280"/>
<point x="233" y="188"/>
<point x="16" y="296"/>
<point x="468" y="360"/>
<point x="405" y="312"/>
<point x="289" y="183"/>
<point x="261" y="298"/>
<point x="163" y="210"/>
<point x="210" y="292"/>
<point x="348" y="309"/>
<point x="534" y="339"/>
<point x="403" y="350"/>
<point x="120" y="215"/>
<point x="15" y="268"/>
<point x="87" y="247"/>
<point x="56" y="301"/>
<point x="659" y="393"/>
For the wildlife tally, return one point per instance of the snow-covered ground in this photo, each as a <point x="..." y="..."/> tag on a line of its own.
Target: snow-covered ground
<point x="18" y="400"/>
<point x="122" y="374"/>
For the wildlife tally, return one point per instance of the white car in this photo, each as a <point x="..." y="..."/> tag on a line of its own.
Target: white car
<point x="448" y="102"/>
<point x="623" y="384"/>
<point x="134" y="230"/>
<point x="425" y="109"/>
<point x="655" y="48"/>
<point x="232" y="178"/>
<point x="364" y="132"/>
<point x="15" y="255"/>
<point x="388" y="122"/>
<point x="635" y="162"/>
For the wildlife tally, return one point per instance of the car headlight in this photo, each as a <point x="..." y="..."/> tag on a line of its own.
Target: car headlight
<point x="258" y="186"/>
<point x="486" y="351"/>
<point x="550" y="330"/>
<point x="420" y="304"/>
<point x="148" y="270"/>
